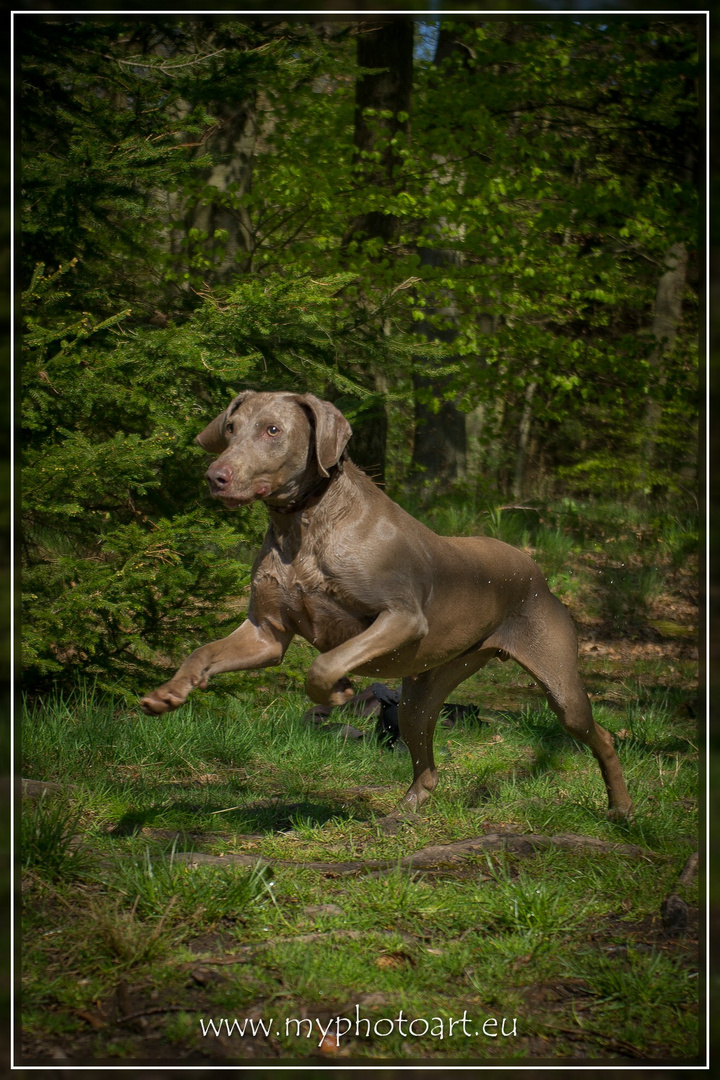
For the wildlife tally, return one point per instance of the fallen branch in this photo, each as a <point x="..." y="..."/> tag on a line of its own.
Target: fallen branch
<point x="431" y="857"/>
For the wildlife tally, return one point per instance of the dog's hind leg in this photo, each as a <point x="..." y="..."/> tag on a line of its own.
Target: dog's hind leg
<point x="421" y="700"/>
<point x="546" y="646"/>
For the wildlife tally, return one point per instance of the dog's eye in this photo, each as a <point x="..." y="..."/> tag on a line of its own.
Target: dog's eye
<point x="273" y="430"/>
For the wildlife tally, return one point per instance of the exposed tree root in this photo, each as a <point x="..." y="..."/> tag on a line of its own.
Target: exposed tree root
<point x="34" y="789"/>
<point x="433" y="857"/>
<point x="689" y="870"/>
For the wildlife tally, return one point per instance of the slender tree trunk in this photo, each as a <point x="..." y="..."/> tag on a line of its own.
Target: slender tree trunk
<point x="440" y="439"/>
<point x="495" y="466"/>
<point x="447" y="463"/>
<point x="368" y="448"/>
<point x="386" y="92"/>
<point x="232" y="147"/>
<point x="440" y="445"/>
<point x="523" y="440"/>
<point x="666" y="319"/>
<point x="386" y="47"/>
<point x="439" y="456"/>
<point x="475" y="422"/>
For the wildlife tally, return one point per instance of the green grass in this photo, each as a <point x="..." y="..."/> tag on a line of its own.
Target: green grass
<point x="477" y="937"/>
<point x="565" y="943"/>
<point x="47" y="833"/>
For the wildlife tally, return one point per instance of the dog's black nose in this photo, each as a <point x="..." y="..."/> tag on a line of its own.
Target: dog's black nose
<point x="219" y="477"/>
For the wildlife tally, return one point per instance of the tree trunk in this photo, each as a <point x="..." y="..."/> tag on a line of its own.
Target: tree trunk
<point x="232" y="147"/>
<point x="439" y="456"/>
<point x="523" y="440"/>
<point x="369" y="441"/>
<point x="440" y="443"/>
<point x="440" y="439"/>
<point x="387" y="46"/>
<point x="668" y="312"/>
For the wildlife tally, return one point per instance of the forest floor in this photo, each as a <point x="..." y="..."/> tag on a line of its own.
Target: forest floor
<point x="226" y="864"/>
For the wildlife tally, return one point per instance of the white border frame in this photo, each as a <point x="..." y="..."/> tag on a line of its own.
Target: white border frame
<point x="431" y="15"/>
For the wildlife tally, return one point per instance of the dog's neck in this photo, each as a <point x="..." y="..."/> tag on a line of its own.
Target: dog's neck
<point x="310" y="497"/>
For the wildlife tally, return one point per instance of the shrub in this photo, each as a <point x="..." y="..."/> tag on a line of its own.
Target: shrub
<point x="122" y="567"/>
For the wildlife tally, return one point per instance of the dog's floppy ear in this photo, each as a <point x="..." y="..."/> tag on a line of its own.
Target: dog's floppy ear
<point x="332" y="431"/>
<point x="214" y="437"/>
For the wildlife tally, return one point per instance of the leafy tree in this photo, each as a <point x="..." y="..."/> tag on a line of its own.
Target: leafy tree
<point x="99" y="139"/>
<point x="566" y="178"/>
<point x="494" y="240"/>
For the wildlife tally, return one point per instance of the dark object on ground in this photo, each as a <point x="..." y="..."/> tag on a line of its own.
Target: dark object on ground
<point x="387" y="729"/>
<point x="374" y="590"/>
<point x="382" y="701"/>
<point x="674" y="912"/>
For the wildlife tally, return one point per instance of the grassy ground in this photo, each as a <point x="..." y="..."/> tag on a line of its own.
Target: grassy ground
<point x="294" y="909"/>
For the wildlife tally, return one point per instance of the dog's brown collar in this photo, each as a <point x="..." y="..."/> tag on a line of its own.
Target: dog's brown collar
<point x="313" y="496"/>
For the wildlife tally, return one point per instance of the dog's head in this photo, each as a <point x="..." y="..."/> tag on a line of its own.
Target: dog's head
<point x="273" y="446"/>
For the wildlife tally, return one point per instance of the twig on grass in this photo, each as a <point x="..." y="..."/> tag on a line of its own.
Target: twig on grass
<point x="610" y="1041"/>
<point x="152" y="1012"/>
<point x="248" y="952"/>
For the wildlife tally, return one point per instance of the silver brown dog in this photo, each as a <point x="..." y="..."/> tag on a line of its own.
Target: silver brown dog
<point x="374" y="590"/>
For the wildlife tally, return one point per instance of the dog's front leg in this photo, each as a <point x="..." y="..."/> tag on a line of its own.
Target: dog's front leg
<point x="327" y="683"/>
<point x="250" y="646"/>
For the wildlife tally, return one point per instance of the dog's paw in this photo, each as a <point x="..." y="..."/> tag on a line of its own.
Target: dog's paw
<point x="341" y="692"/>
<point x="322" y="688"/>
<point x="161" y="701"/>
<point x="395" y="822"/>
<point x="621" y="815"/>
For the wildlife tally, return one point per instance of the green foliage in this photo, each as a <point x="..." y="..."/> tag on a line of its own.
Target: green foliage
<point x="100" y="135"/>
<point x="144" y="589"/>
<point x="107" y="576"/>
<point x="544" y="172"/>
<point x="121" y="567"/>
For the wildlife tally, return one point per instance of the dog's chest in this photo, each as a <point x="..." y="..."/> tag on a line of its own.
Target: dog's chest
<point x="314" y="597"/>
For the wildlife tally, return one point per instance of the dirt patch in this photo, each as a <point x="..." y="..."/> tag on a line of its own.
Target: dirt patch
<point x="615" y="934"/>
